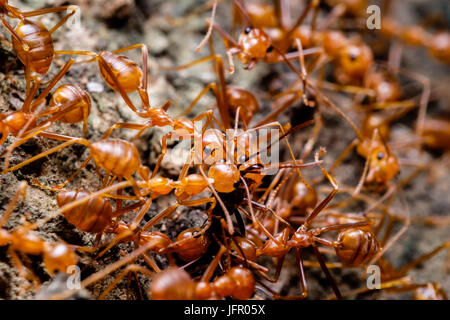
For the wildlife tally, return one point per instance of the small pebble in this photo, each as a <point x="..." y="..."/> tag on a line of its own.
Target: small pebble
<point x="95" y="87"/>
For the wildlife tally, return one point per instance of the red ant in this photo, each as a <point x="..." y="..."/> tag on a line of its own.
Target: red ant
<point x="31" y="40"/>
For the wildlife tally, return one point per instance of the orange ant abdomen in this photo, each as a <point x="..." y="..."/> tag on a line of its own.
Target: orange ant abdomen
<point x="247" y="247"/>
<point x="356" y="246"/>
<point x="302" y="198"/>
<point x="127" y="72"/>
<point x="117" y="156"/>
<point x="245" y="283"/>
<point x="92" y="216"/>
<point x="173" y="284"/>
<point x="162" y="241"/>
<point x="247" y="102"/>
<point x="193" y="246"/>
<point x="436" y="133"/>
<point x="40" y="51"/>
<point x="69" y="95"/>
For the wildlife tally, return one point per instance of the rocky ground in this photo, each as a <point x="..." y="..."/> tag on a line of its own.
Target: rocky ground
<point x="109" y="25"/>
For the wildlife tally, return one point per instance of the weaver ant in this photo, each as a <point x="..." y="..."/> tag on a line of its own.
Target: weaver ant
<point x="125" y="76"/>
<point x="31" y="40"/>
<point x="69" y="104"/>
<point x="57" y="256"/>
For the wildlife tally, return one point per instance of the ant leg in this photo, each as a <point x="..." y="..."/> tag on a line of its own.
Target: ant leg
<point x="209" y="272"/>
<point x="18" y="142"/>
<point x="318" y="124"/>
<point x="283" y="13"/>
<point x="343" y="155"/>
<point x="21" y="191"/>
<point x="52" y="83"/>
<point x="330" y="196"/>
<point x="327" y="273"/>
<point x="367" y="163"/>
<point x="384" y="285"/>
<point x="211" y="86"/>
<point x="276" y="276"/>
<point x="14" y="34"/>
<point x="284" y="136"/>
<point x="126" y="271"/>
<point x="39" y="12"/>
<point x="50" y="151"/>
<point x="210" y="27"/>
<point x="22" y="270"/>
<point x="168" y="211"/>
<point x="124" y="125"/>
<point x="421" y="259"/>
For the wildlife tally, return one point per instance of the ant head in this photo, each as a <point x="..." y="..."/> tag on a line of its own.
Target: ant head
<point x="332" y="41"/>
<point x="254" y="43"/>
<point x="58" y="257"/>
<point x="386" y="87"/>
<point x="354" y="60"/>
<point x="384" y="166"/>
<point x="439" y="46"/>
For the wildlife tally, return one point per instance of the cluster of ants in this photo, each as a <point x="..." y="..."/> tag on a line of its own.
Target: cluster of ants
<point x="249" y="213"/>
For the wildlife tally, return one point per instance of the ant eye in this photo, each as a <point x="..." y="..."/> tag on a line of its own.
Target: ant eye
<point x="380" y="155"/>
<point x="269" y="49"/>
<point x="247" y="30"/>
<point x="207" y="150"/>
<point x="353" y="56"/>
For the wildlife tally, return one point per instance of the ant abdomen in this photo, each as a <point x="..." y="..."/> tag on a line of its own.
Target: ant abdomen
<point x="356" y="246"/>
<point x="244" y="99"/>
<point x="69" y="95"/>
<point x="173" y="284"/>
<point x="39" y="55"/>
<point x="193" y="246"/>
<point x="127" y="72"/>
<point x="92" y="216"/>
<point x="117" y="156"/>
